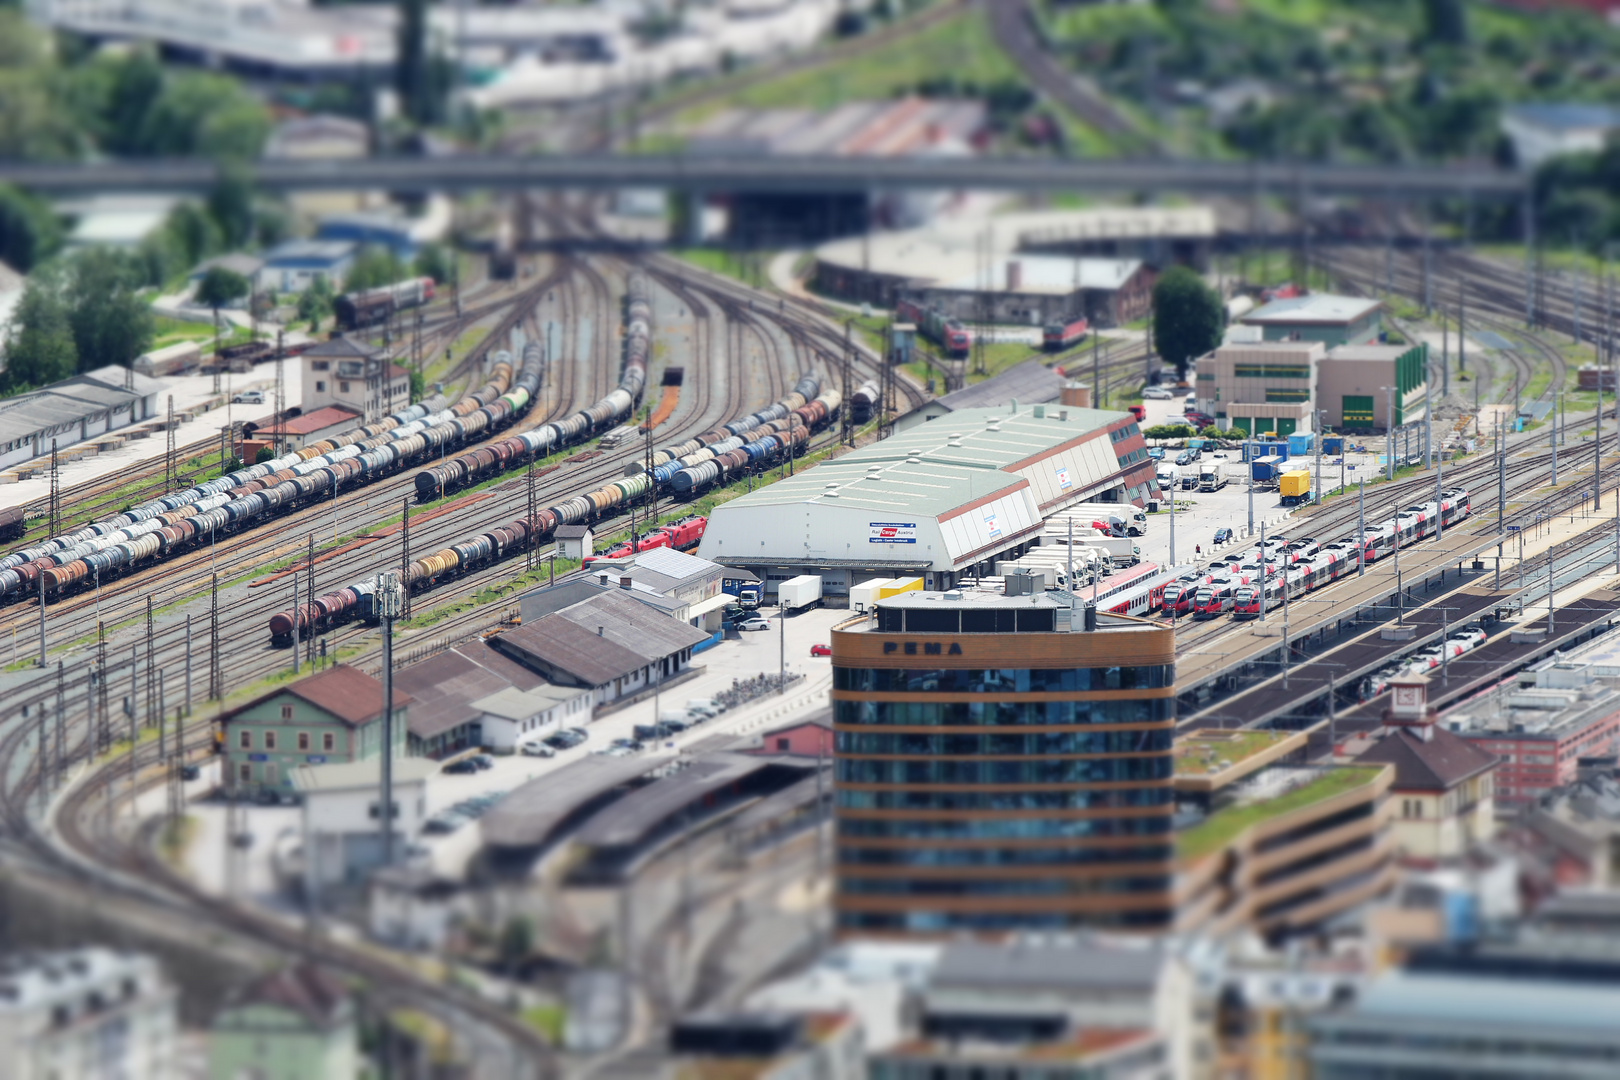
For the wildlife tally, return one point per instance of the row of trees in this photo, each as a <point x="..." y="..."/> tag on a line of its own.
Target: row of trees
<point x="75" y="315"/>
<point x="60" y="100"/>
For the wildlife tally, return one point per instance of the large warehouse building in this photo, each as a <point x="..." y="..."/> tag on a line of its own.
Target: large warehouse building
<point x="941" y="501"/>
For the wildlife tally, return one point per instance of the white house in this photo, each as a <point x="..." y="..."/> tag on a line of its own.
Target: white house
<point x="1542" y="131"/>
<point x="342" y="840"/>
<point x="511" y="718"/>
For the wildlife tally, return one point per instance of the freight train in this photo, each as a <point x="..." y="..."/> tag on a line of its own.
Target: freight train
<point x="253" y="495"/>
<point x="864" y="403"/>
<point x="1297" y="567"/>
<point x="949" y="334"/>
<point x="496" y="458"/>
<point x="755" y="443"/>
<point x="1062" y="334"/>
<point x="371" y="307"/>
<point x="796" y="417"/>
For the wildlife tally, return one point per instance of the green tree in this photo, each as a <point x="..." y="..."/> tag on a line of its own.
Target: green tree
<point x="374" y="266"/>
<point x="1445" y="22"/>
<point x="218" y="288"/>
<point x="195" y="232"/>
<point x="40" y="348"/>
<point x="29" y="229"/>
<point x="1186" y="317"/>
<point x="230" y="204"/>
<point x="516" y="942"/>
<point x="111" y="323"/>
<point x="137" y="84"/>
<point x="435" y="262"/>
<point x="203" y="114"/>
<point x="315" y="302"/>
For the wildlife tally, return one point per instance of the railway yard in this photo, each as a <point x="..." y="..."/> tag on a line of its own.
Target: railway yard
<point x="147" y="633"/>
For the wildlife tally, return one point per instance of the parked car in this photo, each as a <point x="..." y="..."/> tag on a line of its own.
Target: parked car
<point x="249" y="397"/>
<point x="756" y="623"/>
<point x="482" y="761"/>
<point x="705" y="707"/>
<point x="190" y="772"/>
<point x="821" y="650"/>
<point x="447" y="821"/>
<point x="537" y="749"/>
<point x="562" y="740"/>
<point x="1223" y="536"/>
<point x="1155" y="453"/>
<point x="465" y="765"/>
<point x="1186" y="457"/>
<point x="1199" y="420"/>
<point x="646" y="733"/>
<point x="632" y="745"/>
<point x="1156" y="393"/>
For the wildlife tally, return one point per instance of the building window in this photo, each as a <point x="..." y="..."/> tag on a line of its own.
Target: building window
<point x="328" y="741"/>
<point x="343" y="387"/>
<point x="303" y="742"/>
<point x="782" y="745"/>
<point x="286" y="712"/>
<point x="244" y="772"/>
<point x="245" y="740"/>
<point x="269" y="740"/>
<point x="320" y="386"/>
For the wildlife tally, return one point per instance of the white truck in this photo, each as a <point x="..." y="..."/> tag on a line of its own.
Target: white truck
<point x="799" y="592"/>
<point x="1119" y="549"/>
<point x="1211" y="478"/>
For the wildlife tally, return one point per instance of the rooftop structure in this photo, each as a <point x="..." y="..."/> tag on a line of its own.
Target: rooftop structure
<point x="1207" y="760"/>
<point x="73" y="411"/>
<point x="1029" y="383"/>
<point x="292" y="265"/>
<point x="532" y="815"/>
<point x="310" y="427"/>
<point x="945" y="498"/>
<point x="353" y="375"/>
<point x="1542" y="130"/>
<point x="444" y="686"/>
<point x="1335" y="320"/>
<point x="609" y="643"/>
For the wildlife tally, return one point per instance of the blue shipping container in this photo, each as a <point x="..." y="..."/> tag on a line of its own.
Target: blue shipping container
<point x="1300" y="443"/>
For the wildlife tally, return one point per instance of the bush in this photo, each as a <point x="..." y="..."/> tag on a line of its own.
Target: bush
<point x="1169" y="431"/>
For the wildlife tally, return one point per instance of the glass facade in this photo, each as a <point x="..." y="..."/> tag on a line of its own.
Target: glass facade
<point x="1001" y="798"/>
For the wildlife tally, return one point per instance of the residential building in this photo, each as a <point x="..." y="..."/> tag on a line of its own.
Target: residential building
<point x="576" y="542"/>
<point x="949" y="822"/>
<point x="77" y="410"/>
<point x="293" y="265"/>
<point x="1575" y="828"/>
<point x="296" y="1024"/>
<point x="1543" y="130"/>
<point x="1444" y="784"/>
<point x="411" y="907"/>
<point x="610" y="644"/>
<point x="1357" y="386"/>
<point x="334" y="716"/>
<point x="353" y="375"/>
<point x="115" y="220"/>
<point x="511" y="719"/>
<point x="341" y="816"/>
<point x="1525" y="1009"/>
<point x="1268" y="844"/>
<point x="1332" y="320"/>
<point x="86" y="1014"/>
<point x="238" y="262"/>
<point x="941" y="501"/>
<point x="1564" y="710"/>
<point x="808" y="738"/>
<point x="444" y="721"/>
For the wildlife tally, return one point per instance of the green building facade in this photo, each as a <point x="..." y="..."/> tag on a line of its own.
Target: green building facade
<point x="335" y="716"/>
<point x="297" y="1024"/>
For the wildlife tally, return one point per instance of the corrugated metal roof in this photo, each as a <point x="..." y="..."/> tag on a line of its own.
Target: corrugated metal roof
<point x="628" y="820"/>
<point x="1031" y="383"/>
<point x="72" y="400"/>
<point x="632" y="625"/>
<point x="1315" y="308"/>
<point x="528" y="816"/>
<point x="556" y="642"/>
<point x="676" y="565"/>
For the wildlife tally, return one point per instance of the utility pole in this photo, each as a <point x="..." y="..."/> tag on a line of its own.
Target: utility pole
<point x="104" y="727"/>
<point x="389" y="605"/>
<point x="1553" y="431"/>
<point x="297" y="617"/>
<point x="56" y="494"/>
<point x="216" y="679"/>
<point x="41" y="580"/>
<point x="1439" y="501"/>
<point x="151" y="665"/>
<point x="529" y="484"/>
<point x="1320" y="415"/>
<point x="405" y="553"/>
<point x="281" y="394"/>
<point x="309" y="595"/>
<point x="188" y="665"/>
<point x="171" y="478"/>
<point x="1361" y="530"/>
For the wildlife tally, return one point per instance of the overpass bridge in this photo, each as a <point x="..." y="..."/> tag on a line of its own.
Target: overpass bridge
<point x="787" y="175"/>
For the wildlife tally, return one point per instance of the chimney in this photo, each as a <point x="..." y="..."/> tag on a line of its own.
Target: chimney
<point x="624" y="582"/>
<point x="1015" y="275"/>
<point x="599" y="630"/>
<point x="1077" y="395"/>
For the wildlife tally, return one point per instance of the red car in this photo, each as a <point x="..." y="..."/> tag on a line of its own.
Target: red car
<point x="821" y="650"/>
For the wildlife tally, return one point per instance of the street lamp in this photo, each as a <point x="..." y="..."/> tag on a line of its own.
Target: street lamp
<point x="1389" y="430"/>
<point x="390" y="601"/>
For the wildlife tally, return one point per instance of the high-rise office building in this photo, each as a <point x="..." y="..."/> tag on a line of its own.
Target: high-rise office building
<point x="1003" y="763"/>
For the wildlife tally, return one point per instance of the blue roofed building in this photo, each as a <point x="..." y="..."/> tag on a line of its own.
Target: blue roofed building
<point x="371" y="229"/>
<point x="292" y="266"/>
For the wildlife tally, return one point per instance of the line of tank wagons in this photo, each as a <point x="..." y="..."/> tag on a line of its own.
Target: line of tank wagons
<point x="685" y="468"/>
<point x="250" y="496"/>
<point x="496" y="458"/>
<point x="1234" y="584"/>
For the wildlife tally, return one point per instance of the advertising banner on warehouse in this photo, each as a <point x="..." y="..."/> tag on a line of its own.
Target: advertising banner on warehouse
<point x="1063" y="477"/>
<point x="992" y="527"/>
<point x="891" y="532"/>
